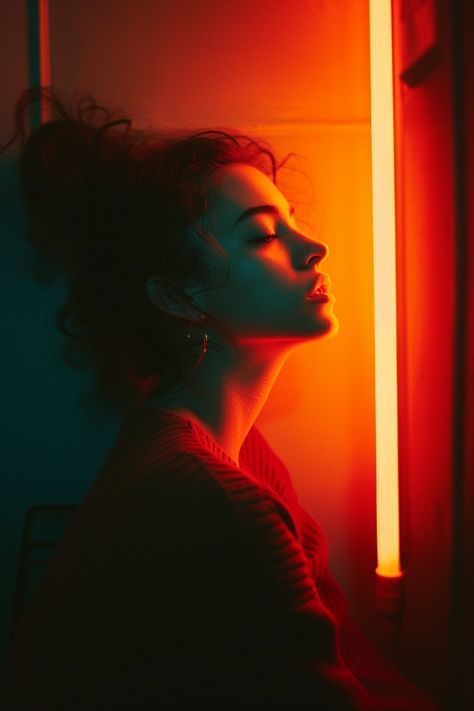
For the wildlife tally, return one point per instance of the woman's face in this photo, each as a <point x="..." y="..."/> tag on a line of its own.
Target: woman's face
<point x="265" y="296"/>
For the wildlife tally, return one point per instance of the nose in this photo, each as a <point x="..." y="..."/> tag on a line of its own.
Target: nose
<point x="316" y="251"/>
<point x="306" y="249"/>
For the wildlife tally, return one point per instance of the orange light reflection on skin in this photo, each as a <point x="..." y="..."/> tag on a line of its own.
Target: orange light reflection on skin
<point x="383" y="199"/>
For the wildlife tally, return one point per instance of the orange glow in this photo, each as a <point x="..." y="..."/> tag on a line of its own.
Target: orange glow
<point x="383" y="198"/>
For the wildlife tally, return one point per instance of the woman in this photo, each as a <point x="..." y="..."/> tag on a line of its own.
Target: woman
<point x="190" y="573"/>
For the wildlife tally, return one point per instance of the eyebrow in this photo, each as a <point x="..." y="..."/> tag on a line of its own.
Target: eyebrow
<point x="268" y="209"/>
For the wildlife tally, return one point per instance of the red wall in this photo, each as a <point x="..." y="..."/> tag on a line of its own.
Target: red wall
<point x="465" y="580"/>
<point x="431" y="256"/>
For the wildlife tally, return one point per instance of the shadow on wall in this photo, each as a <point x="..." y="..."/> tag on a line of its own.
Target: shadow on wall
<point x="55" y="434"/>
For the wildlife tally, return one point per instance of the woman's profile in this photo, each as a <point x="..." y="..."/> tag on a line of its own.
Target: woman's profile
<point x="190" y="574"/>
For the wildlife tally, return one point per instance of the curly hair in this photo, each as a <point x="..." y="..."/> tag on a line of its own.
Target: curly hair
<point x="109" y="207"/>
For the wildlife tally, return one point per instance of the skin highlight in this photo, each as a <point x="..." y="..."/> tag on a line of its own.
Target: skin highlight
<point x="263" y="303"/>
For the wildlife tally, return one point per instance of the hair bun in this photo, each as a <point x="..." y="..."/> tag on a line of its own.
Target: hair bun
<point x="60" y="170"/>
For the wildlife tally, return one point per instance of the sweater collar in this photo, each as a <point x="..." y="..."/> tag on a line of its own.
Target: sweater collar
<point x="257" y="461"/>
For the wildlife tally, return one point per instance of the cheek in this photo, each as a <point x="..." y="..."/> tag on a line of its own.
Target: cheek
<point x="253" y="290"/>
<point x="271" y="279"/>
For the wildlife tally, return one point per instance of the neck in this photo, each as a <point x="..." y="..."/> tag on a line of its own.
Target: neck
<point x="227" y="392"/>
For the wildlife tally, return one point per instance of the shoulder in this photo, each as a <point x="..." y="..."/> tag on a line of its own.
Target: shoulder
<point x="162" y="458"/>
<point x="201" y="495"/>
<point x="183" y="508"/>
<point x="161" y="475"/>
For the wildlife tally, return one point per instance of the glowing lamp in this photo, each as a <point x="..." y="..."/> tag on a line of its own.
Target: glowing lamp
<point x="39" y="57"/>
<point x="44" y="54"/>
<point x="389" y="575"/>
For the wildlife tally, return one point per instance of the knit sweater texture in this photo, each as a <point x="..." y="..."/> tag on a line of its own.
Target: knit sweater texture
<point x="186" y="579"/>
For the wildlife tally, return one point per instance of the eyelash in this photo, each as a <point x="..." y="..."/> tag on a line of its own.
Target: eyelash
<point x="266" y="237"/>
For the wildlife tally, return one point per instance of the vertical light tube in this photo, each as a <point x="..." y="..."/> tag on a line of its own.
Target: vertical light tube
<point x="388" y="571"/>
<point x="39" y="60"/>
<point x="44" y="54"/>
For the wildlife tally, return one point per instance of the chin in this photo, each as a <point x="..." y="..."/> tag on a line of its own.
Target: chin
<point x="327" y="327"/>
<point x="333" y="330"/>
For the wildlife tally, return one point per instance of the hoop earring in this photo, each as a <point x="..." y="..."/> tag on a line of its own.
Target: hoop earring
<point x="202" y="339"/>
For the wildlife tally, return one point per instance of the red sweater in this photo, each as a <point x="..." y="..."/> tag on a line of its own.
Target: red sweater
<point x="186" y="578"/>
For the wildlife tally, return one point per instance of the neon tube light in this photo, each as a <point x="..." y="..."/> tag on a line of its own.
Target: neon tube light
<point x="44" y="54"/>
<point x="383" y="196"/>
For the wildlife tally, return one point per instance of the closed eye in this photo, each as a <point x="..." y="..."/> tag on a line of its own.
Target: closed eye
<point x="266" y="238"/>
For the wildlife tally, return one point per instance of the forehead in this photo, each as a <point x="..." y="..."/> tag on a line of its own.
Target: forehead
<point x="239" y="186"/>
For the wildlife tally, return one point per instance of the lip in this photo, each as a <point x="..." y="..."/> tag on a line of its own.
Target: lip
<point x="323" y="298"/>
<point x="322" y="281"/>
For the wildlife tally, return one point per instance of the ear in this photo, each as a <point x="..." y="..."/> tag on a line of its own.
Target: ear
<point x="168" y="298"/>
